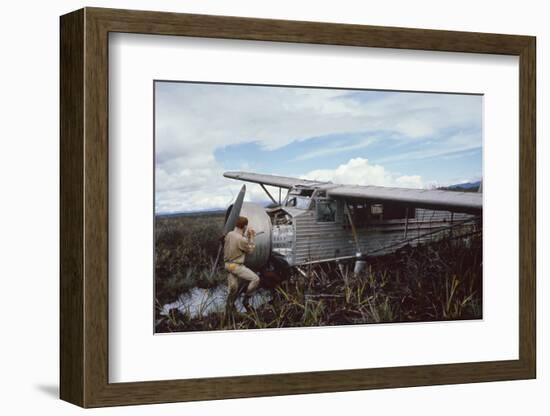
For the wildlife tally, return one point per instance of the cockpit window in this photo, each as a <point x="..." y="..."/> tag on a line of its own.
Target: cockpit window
<point x="299" y="198"/>
<point x="301" y="191"/>
<point x="299" y="202"/>
<point x="326" y="210"/>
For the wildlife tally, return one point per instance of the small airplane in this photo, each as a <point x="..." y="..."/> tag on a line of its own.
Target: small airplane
<point x="320" y="222"/>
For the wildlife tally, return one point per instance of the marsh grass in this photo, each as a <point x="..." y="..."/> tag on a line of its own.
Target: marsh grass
<point x="185" y="247"/>
<point x="433" y="282"/>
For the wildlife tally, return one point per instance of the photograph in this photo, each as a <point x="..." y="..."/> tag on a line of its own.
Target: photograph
<point x="291" y="206"/>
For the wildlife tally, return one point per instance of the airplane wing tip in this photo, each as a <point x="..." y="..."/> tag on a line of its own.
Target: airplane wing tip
<point x="232" y="174"/>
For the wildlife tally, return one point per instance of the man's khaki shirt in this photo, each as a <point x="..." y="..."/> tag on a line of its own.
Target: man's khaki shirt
<point x="237" y="246"/>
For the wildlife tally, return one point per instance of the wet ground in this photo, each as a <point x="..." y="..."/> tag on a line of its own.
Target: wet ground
<point x="199" y="302"/>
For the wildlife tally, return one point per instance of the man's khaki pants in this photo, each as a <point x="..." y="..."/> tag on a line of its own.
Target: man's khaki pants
<point x="239" y="271"/>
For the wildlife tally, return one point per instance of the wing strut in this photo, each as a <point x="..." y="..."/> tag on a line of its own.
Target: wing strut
<point x="269" y="195"/>
<point x="353" y="230"/>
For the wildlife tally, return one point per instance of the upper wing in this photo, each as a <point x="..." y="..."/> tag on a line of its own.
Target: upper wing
<point x="273" y="180"/>
<point x="471" y="202"/>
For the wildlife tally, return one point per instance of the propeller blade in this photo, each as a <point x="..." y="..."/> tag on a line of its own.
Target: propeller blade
<point x="229" y="225"/>
<point x="235" y="211"/>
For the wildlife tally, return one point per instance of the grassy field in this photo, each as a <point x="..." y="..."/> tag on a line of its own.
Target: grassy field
<point x="185" y="247"/>
<point x="439" y="281"/>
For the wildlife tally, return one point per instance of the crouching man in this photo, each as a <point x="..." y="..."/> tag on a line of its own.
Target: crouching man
<point x="237" y="244"/>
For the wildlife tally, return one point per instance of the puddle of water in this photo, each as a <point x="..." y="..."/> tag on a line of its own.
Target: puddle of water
<point x="199" y="302"/>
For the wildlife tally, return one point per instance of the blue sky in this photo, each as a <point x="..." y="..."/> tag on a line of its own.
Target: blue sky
<point x="405" y="139"/>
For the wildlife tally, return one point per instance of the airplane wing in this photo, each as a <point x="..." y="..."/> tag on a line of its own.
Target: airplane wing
<point x="273" y="180"/>
<point x="470" y="202"/>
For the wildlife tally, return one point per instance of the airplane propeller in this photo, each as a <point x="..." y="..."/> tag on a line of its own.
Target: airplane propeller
<point x="230" y="224"/>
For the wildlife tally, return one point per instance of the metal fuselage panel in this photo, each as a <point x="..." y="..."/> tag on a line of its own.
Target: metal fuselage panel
<point x="302" y="239"/>
<point x="308" y="241"/>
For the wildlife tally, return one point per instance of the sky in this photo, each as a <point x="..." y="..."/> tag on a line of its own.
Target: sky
<point x="363" y="137"/>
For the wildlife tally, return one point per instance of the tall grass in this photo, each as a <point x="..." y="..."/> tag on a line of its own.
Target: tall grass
<point x="184" y="251"/>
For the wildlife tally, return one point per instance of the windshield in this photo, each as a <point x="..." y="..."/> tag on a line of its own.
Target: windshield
<point x="300" y="202"/>
<point x="299" y="198"/>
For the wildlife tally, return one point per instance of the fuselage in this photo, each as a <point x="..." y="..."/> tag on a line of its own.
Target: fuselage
<point x="308" y="227"/>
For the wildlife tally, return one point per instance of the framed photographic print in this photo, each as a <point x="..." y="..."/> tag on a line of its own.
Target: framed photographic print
<point x="342" y="207"/>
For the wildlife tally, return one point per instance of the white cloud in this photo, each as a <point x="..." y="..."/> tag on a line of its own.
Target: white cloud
<point x="359" y="171"/>
<point x="206" y="191"/>
<point x="409" y="181"/>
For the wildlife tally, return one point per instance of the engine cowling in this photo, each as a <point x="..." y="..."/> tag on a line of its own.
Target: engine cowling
<point x="261" y="223"/>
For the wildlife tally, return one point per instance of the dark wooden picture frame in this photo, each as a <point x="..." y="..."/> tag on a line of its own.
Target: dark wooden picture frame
<point x="84" y="207"/>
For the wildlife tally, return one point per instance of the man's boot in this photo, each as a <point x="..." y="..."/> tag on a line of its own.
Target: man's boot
<point x="246" y="303"/>
<point x="230" y="307"/>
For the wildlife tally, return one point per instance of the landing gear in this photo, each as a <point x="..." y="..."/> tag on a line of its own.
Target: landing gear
<point x="276" y="272"/>
<point x="360" y="264"/>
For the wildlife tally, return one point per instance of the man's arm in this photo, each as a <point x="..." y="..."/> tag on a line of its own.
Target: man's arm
<point x="247" y="244"/>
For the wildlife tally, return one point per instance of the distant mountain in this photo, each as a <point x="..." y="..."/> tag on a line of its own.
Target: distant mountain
<point x="192" y="213"/>
<point x="464" y="187"/>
